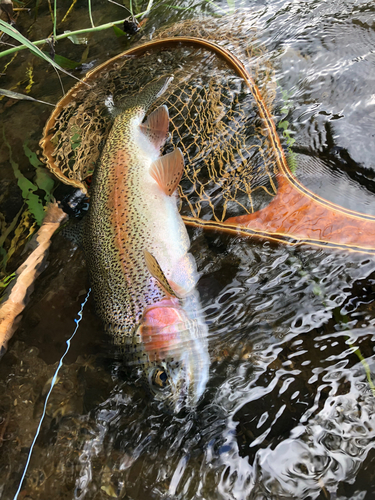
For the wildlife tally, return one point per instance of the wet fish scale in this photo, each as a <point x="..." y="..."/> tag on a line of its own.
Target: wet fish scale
<point x="118" y="233"/>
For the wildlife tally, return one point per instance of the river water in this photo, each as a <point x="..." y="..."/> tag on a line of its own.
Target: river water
<point x="288" y="412"/>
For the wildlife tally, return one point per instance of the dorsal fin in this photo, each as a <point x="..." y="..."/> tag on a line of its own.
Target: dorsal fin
<point x="157" y="273"/>
<point x="167" y="171"/>
<point x="155" y="128"/>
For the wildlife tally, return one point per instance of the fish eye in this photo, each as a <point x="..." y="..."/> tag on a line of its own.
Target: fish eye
<point x="160" y="378"/>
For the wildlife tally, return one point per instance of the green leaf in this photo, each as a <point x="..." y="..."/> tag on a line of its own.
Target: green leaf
<point x="33" y="159"/>
<point x="45" y="182"/>
<point x="118" y="31"/>
<point x="77" y="39"/>
<point x="27" y="187"/>
<point x="5" y="281"/>
<point x="292" y="161"/>
<point x="317" y="291"/>
<point x="75" y="141"/>
<point x="284" y="110"/>
<point x="64" y="62"/>
<point x="284" y="124"/>
<point x="42" y="178"/>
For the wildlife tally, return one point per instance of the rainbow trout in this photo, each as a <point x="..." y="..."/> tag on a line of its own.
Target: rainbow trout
<point x="142" y="274"/>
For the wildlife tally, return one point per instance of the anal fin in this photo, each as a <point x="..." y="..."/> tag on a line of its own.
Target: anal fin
<point x="155" y="128"/>
<point x="167" y="171"/>
<point x="157" y="273"/>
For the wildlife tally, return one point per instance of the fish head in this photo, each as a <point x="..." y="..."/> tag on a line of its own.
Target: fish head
<point x="176" y="347"/>
<point x="142" y="100"/>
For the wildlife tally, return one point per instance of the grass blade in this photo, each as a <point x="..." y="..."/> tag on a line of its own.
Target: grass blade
<point x="116" y="3"/>
<point x="231" y="6"/>
<point x="9" y="30"/>
<point x="54" y="18"/>
<point x="90" y="14"/>
<point x="216" y="6"/>
<point x="148" y="8"/>
<point x="21" y="97"/>
<point x="64" y="62"/>
<point x="66" y="34"/>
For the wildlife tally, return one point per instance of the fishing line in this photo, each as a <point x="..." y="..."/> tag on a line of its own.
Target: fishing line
<point x="77" y="321"/>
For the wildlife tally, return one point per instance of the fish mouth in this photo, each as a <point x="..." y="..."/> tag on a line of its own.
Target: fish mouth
<point x="179" y="379"/>
<point x="176" y="348"/>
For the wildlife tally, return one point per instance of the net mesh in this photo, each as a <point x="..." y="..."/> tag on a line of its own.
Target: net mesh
<point x="229" y="166"/>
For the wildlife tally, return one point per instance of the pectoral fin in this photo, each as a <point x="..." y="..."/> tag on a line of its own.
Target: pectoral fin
<point x="157" y="273"/>
<point x="167" y="171"/>
<point x="155" y="128"/>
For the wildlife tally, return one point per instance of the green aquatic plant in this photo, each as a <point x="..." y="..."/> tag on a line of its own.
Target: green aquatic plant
<point x="35" y="194"/>
<point x="33" y="46"/>
<point x="4" y="282"/>
<point x="344" y="320"/>
<point x="42" y="181"/>
<point x="17" y="233"/>
<point x="27" y="187"/>
<point x="21" y="97"/>
<point x="64" y="62"/>
<point x="43" y="178"/>
<point x="76" y="138"/>
<point x="341" y="319"/>
<point x="284" y="125"/>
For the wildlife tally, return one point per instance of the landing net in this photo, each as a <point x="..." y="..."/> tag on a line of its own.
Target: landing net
<point x="230" y="166"/>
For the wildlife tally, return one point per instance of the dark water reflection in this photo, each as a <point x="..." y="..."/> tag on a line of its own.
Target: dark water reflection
<point x="289" y="409"/>
<point x="287" y="414"/>
<point x="327" y="64"/>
